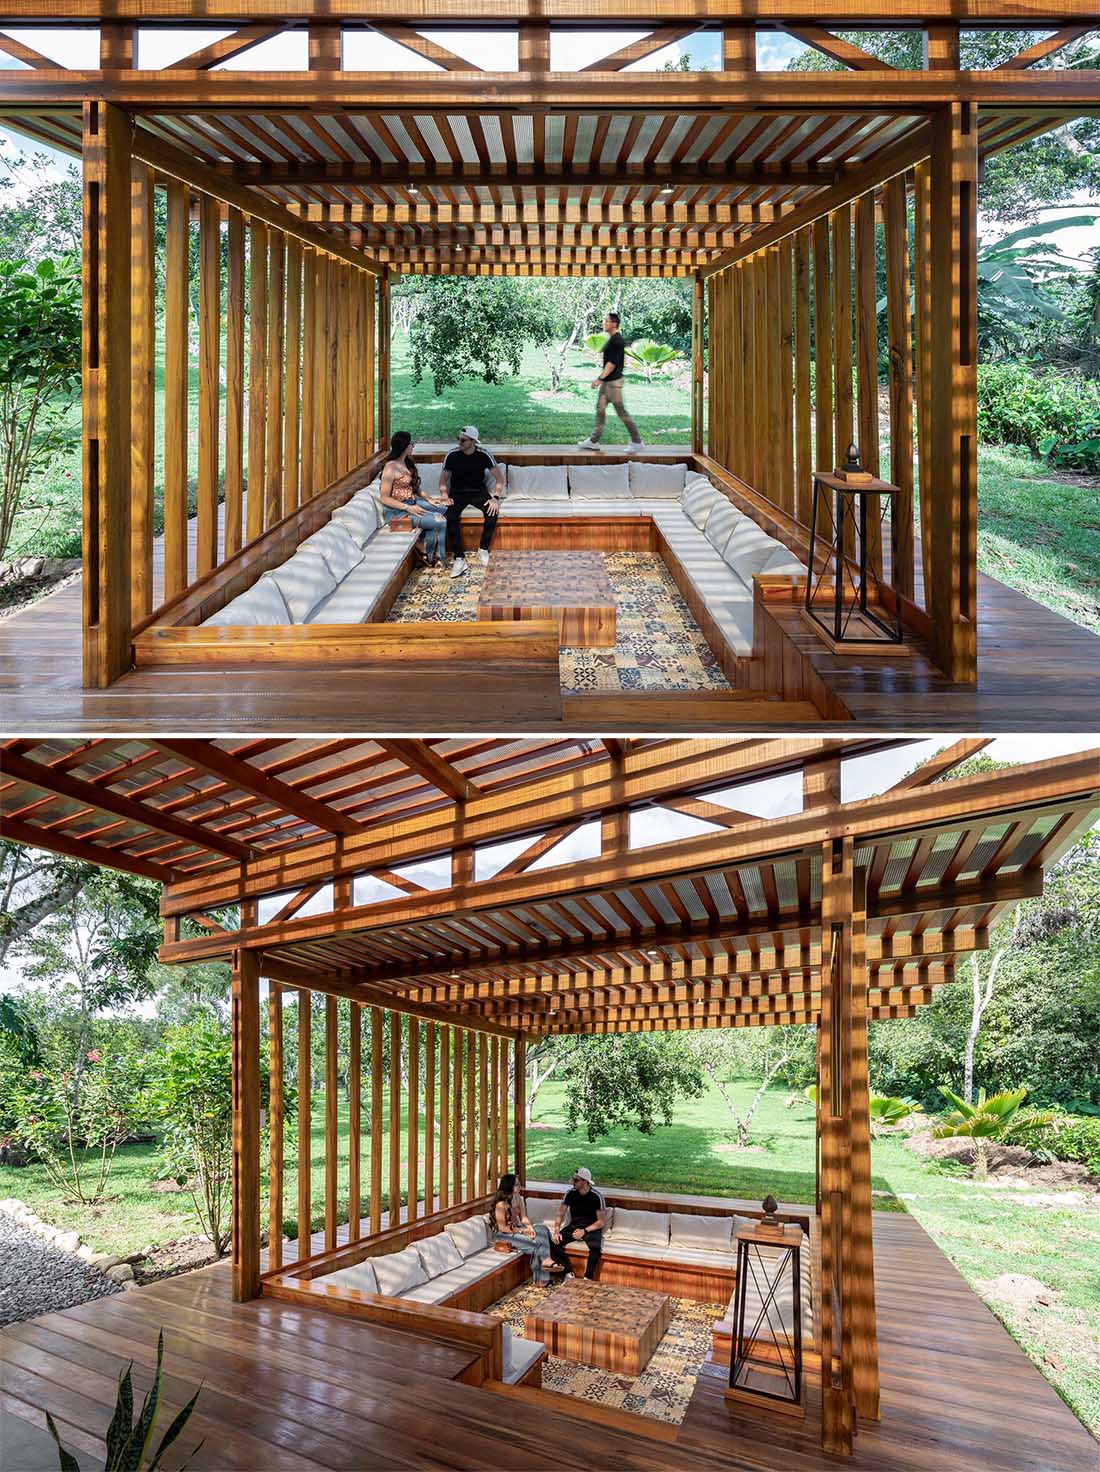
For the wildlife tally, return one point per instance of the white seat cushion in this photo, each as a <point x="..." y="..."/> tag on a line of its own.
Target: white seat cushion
<point x="338" y="547"/>
<point x="261" y="604"/>
<point x="649" y="1227"/>
<point x="469" y="1236"/>
<point x="360" y="1276"/>
<point x="614" y="1246"/>
<point x="438" y="1254"/>
<point x="354" y="601"/>
<point x="656" y="481"/>
<point x="303" y="581"/>
<point x="720" y="525"/>
<point x="699" y="500"/>
<point x="605" y="482"/>
<point x="710" y="1232"/>
<point x="398" y="1271"/>
<point x="359" y="516"/>
<point x="543" y="482"/>
<point x="701" y="1257"/>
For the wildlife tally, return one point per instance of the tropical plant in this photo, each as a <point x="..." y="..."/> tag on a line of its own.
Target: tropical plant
<point x="651" y="357"/>
<point x="1015" y="276"/>
<point x="886" y="1111"/>
<point x="594" y="342"/>
<point x="129" y="1441"/>
<point x="989" y="1118"/>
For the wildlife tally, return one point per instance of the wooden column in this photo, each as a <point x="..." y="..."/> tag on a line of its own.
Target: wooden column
<point x="142" y="395"/>
<point x="803" y="443"/>
<point x="785" y="488"/>
<point x="429" y="1118"/>
<point x="952" y="487"/>
<point x="841" y="222"/>
<point x="395" y="1120"/>
<point x="375" y="1120"/>
<point x="867" y="358"/>
<point x="384" y="330"/>
<point x="899" y="339"/>
<point x="332" y="1135"/>
<point x="292" y="388"/>
<point x="276" y="348"/>
<point x="484" y="1164"/>
<point x="234" y="384"/>
<point x="210" y="275"/>
<point x="412" y="1168"/>
<point x="276" y="1124"/>
<point x="305" y="1110"/>
<point x="307" y="479"/>
<point x="922" y="325"/>
<point x="471" y="1116"/>
<point x="245" y="1007"/>
<point x="355" y="1121"/>
<point x="865" y="1375"/>
<point x="519" y="1106"/>
<point x="257" y="377"/>
<point x="444" y="1117"/>
<point x="823" y="351"/>
<point x="456" y="1116"/>
<point x="176" y="258"/>
<point x="505" y="1144"/>
<point x="495" y="1044"/>
<point x="697" y="340"/>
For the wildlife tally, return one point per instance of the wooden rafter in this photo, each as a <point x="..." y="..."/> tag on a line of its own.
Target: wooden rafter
<point x="77" y="848"/>
<point x="941" y="762"/>
<point x="1041" y="50"/>
<point x="419" y="757"/>
<point x="638" y="50"/>
<point x="225" y="49"/>
<point x="20" y="51"/>
<point x="512" y="175"/>
<point x="405" y="36"/>
<point x="837" y="49"/>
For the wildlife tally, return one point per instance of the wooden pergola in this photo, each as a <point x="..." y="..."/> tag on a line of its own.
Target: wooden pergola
<point x="319" y="186"/>
<point x="833" y="916"/>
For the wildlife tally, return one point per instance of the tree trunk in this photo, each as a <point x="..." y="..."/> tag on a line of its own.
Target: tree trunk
<point x="980" y="1000"/>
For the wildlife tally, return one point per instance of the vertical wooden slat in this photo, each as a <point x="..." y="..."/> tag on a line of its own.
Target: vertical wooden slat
<point x="484" y="1165"/>
<point x="175" y="390"/>
<point x="395" y="1120"/>
<point x="321" y="387"/>
<point x="865" y="1373"/>
<point x="210" y="281"/>
<point x="142" y="395"/>
<point x="332" y="1137"/>
<point x="785" y="387"/>
<point x="276" y="1125"/>
<point x="841" y="221"/>
<point x="245" y="1006"/>
<point x="369" y="290"/>
<point x="413" y="1145"/>
<point x="333" y="334"/>
<point x="444" y="1117"/>
<point x="305" y="1112"/>
<point x="292" y="389"/>
<point x="761" y="350"/>
<point x="900" y="355"/>
<point x="922" y="298"/>
<point x="803" y="442"/>
<point x="494" y="1106"/>
<point x="307" y="474"/>
<point x="774" y="350"/>
<point x="429" y="1118"/>
<point x="823" y="349"/>
<point x="355" y="1121"/>
<point x="505" y="1142"/>
<point x="257" y="377"/>
<point x="519" y="1105"/>
<point x="234" y="384"/>
<point x="384" y="332"/>
<point x="697" y="339"/>
<point x="867" y="362"/>
<point x="471" y="1116"/>
<point x="276" y="324"/>
<point x="376" y="1064"/>
<point x="739" y="427"/>
<point x="344" y="404"/>
<point x="456" y="1116"/>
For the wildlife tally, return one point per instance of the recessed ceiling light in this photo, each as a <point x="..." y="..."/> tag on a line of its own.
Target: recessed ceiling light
<point x="667" y="189"/>
<point x="413" y="189"/>
<point x="454" y="975"/>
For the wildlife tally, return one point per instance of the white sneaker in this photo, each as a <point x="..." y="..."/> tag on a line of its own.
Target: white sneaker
<point x="483" y="556"/>
<point x="458" y="567"/>
<point x="589" y="444"/>
<point x="636" y="445"/>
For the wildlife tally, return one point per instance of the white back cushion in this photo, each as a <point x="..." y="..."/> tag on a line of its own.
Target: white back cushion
<point x="699" y="500"/>
<point x="397" y="1271"/>
<point x="540" y="1209"/>
<point x="655" y="481"/>
<point x="361" y="1276"/>
<point x="469" y="1236"/>
<point x="783" y="561"/>
<point x="338" y="547"/>
<point x="303" y="582"/>
<point x="650" y="1227"/>
<point x="748" y="549"/>
<point x="713" y="1233"/>
<point x="360" y="517"/>
<point x="589" y="482"/>
<point x="430" y="471"/>
<point x="720" y="525"/>
<point x="538" y="482"/>
<point x="263" y="603"/>
<point x="438" y="1254"/>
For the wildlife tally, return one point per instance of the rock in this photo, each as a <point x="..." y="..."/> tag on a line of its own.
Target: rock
<point x="68" y="1241"/>
<point x="122" y="1272"/>
<point x="104" y="1260"/>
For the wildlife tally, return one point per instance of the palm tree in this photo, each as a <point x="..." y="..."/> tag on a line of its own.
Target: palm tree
<point x="988" y="1118"/>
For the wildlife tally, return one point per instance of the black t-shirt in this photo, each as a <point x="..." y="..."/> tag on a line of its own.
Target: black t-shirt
<point x="468" y="472"/>
<point x="614" y="352"/>
<point x="583" y="1210"/>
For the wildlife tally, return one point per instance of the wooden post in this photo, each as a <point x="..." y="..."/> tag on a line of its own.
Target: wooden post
<point x="412" y="1171"/>
<point x="276" y="1125"/>
<point x="234" y="384"/>
<point x="444" y="1117"/>
<point x="823" y="353"/>
<point x="305" y="1122"/>
<point x="738" y="48"/>
<point x="952" y="487"/>
<point x="803" y="444"/>
<point x="276" y="350"/>
<point x="395" y="1119"/>
<point x="375" y="1120"/>
<point x="519" y="1083"/>
<point x="471" y="1116"/>
<point x="143" y="398"/>
<point x="176" y="273"/>
<point x="292" y="389"/>
<point x="899" y="336"/>
<point x="307" y="479"/>
<point x="922" y="326"/>
<point x="355" y="1121"/>
<point x="456" y="1116"/>
<point x="384" y="354"/>
<point x="332" y="1135"/>
<point x="210" y="276"/>
<point x="484" y="1165"/>
<point x="697" y="341"/>
<point x="106" y="367"/>
<point x="865" y="1376"/>
<point x="245" y="1006"/>
<point x="429" y="1118"/>
<point x="867" y="359"/>
<point x="494" y="1106"/>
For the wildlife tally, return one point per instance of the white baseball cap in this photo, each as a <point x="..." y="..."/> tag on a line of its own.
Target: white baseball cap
<point x="470" y="433"/>
<point x="582" y="1173"/>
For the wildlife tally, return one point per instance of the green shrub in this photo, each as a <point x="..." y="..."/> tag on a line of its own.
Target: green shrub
<point x="1039" y="408"/>
<point x="1069" y="1137"/>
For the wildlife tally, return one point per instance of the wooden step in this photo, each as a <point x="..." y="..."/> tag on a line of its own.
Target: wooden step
<point x="586" y="1410"/>
<point x="683" y="710"/>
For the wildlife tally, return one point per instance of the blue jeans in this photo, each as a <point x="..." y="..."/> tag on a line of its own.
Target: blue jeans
<point x="432" y="524"/>
<point x="537" y="1248"/>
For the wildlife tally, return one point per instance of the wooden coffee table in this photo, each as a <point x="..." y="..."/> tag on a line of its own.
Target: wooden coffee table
<point x="571" y="587"/>
<point x="601" y="1324"/>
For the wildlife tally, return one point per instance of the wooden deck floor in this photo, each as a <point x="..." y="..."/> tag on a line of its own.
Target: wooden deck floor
<point x="290" y="1389"/>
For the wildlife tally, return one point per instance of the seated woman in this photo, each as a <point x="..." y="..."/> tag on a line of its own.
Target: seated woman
<point x="400" y="496"/>
<point x="509" y="1222"/>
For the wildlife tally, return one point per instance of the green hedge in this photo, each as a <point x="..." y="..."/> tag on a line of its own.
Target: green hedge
<point x="1023" y="404"/>
<point x="1073" y="1137"/>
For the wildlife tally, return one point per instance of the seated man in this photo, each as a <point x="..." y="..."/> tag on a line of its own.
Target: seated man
<point x="580" y="1218"/>
<point x="465" y="479"/>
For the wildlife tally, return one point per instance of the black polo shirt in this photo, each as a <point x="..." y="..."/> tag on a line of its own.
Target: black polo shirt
<point x="614" y="352"/>
<point x="468" y="472"/>
<point x="583" y="1210"/>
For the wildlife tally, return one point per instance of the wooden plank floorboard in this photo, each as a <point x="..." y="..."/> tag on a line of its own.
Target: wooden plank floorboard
<point x="293" y="1389"/>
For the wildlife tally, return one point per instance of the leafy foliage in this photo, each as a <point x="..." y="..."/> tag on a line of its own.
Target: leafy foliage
<point x="631" y="1081"/>
<point x="651" y="357"/>
<point x="40" y="318"/>
<point x="471" y="327"/>
<point x="129" y="1441"/>
<point x="1026" y="404"/>
<point x="1065" y="1137"/>
<point x="989" y="1118"/>
<point x="1016" y="273"/>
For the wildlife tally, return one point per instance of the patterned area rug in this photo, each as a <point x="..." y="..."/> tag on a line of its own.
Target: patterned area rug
<point x="663" y="1389"/>
<point x="659" y="645"/>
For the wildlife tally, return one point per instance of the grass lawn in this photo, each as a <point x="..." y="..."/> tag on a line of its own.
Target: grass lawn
<point x="984" y="1230"/>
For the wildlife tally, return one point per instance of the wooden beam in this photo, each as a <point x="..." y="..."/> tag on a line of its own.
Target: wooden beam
<point x="225" y="49"/>
<point x="245" y="1237"/>
<point x="449" y="175"/>
<point x="305" y="1119"/>
<point x="203" y="755"/>
<point x="837" y="49"/>
<point x="654" y="12"/>
<point x="1041" y="50"/>
<point x="405" y="36"/>
<point x="419" y="757"/>
<point x="625" y="56"/>
<point x="20" y="51"/>
<point x="107" y="443"/>
<point x="59" y="842"/>
<point x="941" y="762"/>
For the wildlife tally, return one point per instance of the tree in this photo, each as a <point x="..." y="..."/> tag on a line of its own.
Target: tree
<point x="43" y="213"/>
<point x="759" y="1053"/>
<point x="40" y="347"/>
<point x="982" y="995"/>
<point x="990" y="1118"/>
<point x="543" y="1057"/>
<point x="33" y="886"/>
<point x="471" y="327"/>
<point x="630" y="1081"/>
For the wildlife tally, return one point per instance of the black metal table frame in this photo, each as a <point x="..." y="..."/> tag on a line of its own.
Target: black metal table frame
<point x="841" y="507"/>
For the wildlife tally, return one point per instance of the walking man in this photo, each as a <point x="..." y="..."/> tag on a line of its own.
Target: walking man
<point x="609" y="381"/>
<point x="465" y="480"/>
